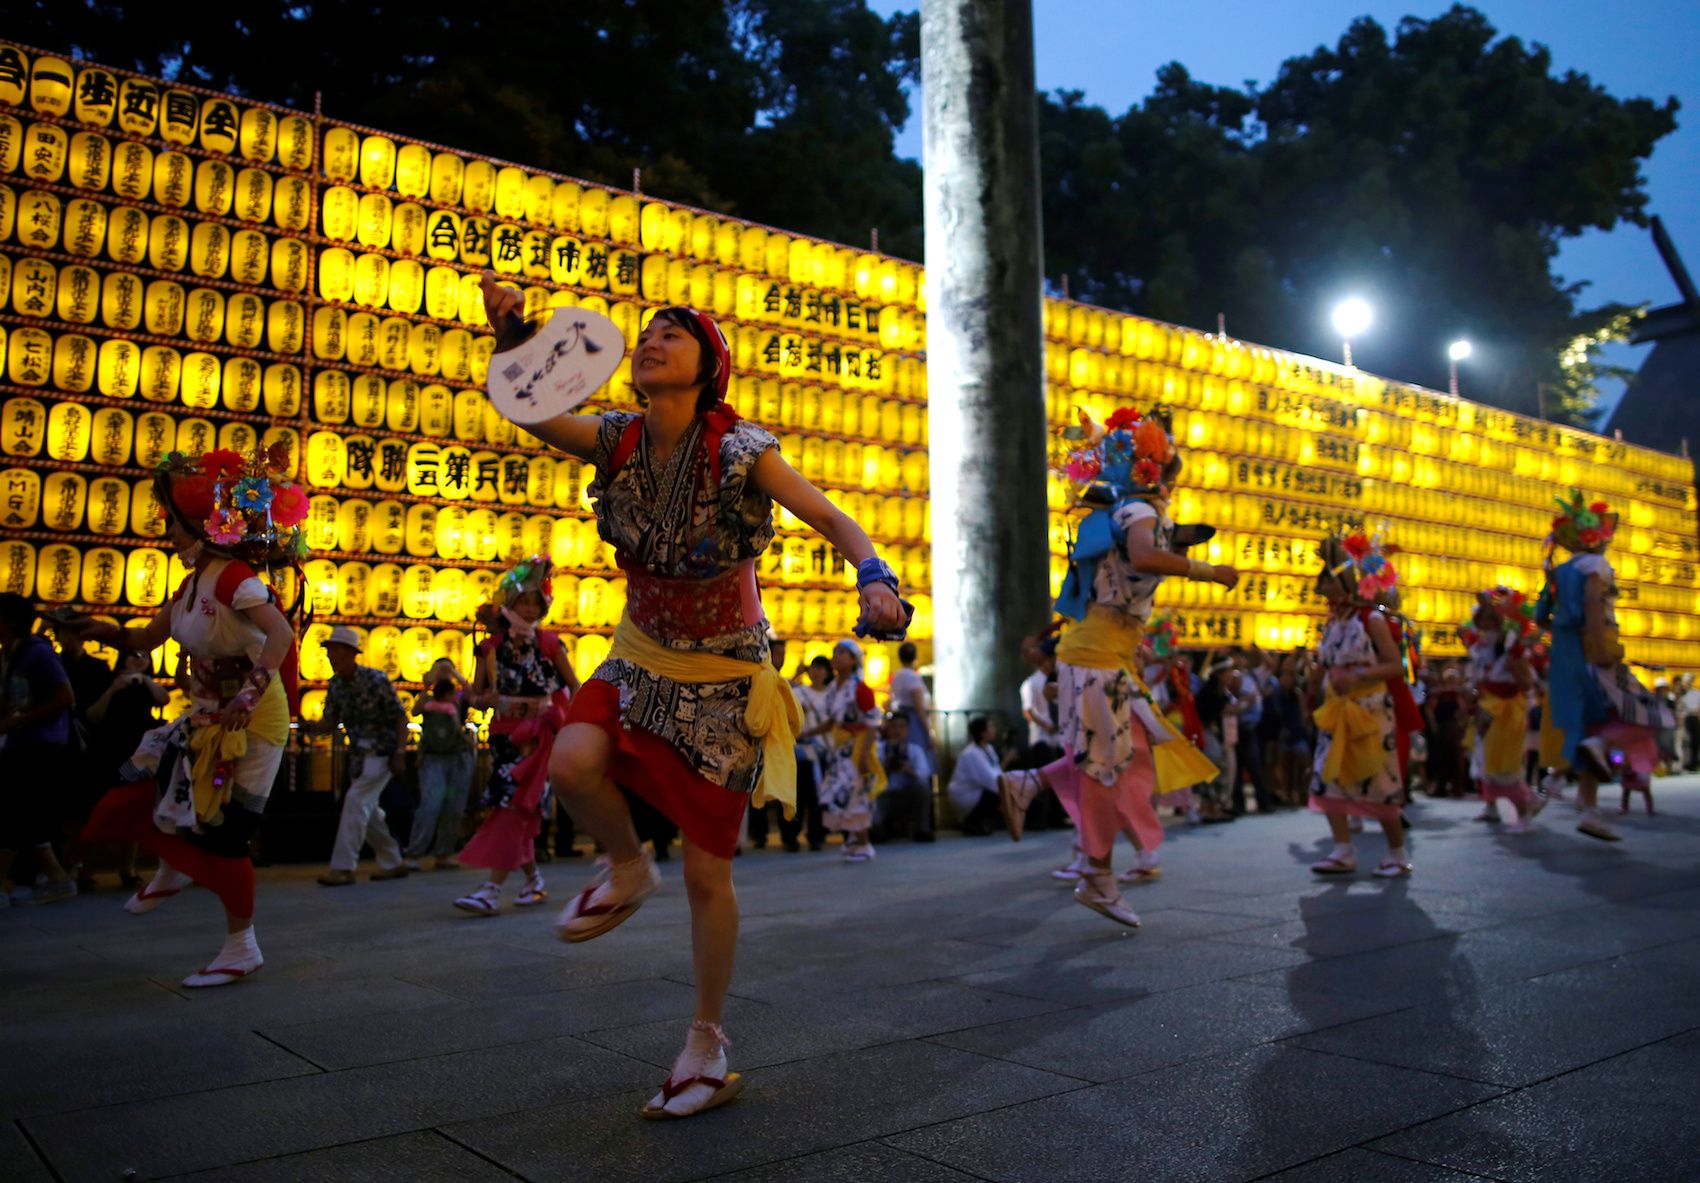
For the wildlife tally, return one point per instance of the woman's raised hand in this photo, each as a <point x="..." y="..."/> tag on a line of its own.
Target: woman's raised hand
<point x="881" y="610"/>
<point x="499" y="302"/>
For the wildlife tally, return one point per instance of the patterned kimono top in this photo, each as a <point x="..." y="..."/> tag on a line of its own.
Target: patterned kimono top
<point x="665" y="520"/>
<point x="1347" y="643"/>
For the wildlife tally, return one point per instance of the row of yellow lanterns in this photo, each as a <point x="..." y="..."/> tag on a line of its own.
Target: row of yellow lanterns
<point x="72" y="432"/>
<point x="129" y="171"/>
<point x="142" y="107"/>
<point x="479" y="187"/>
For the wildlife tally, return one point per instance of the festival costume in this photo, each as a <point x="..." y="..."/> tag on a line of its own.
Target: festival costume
<point x="197" y="789"/>
<point x="1593" y="699"/>
<point x="1363" y="737"/>
<point x="852" y="776"/>
<point x="532" y="705"/>
<point x="1499" y="635"/>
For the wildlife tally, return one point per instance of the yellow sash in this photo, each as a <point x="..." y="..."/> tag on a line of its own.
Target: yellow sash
<point x="1355" y="752"/>
<point x="864" y="755"/>
<point x="1107" y="641"/>
<point x="1502" y="746"/>
<point x="214" y="744"/>
<point x="772" y="715"/>
<point x="1552" y="739"/>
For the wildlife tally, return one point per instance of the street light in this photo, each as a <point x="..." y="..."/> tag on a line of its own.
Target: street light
<point x="1351" y="317"/>
<point x="1455" y="353"/>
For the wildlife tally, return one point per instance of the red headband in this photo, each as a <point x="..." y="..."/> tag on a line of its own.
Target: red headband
<point x="722" y="352"/>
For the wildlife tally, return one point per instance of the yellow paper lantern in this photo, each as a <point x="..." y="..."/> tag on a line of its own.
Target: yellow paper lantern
<point x="20" y="498"/>
<point x="17" y="567"/>
<point x="253" y="201"/>
<point x="73" y="363"/>
<point x="256" y="137"/>
<point x="286" y="323"/>
<point x="478" y="186"/>
<point x="57" y="573"/>
<point x="45" y="150"/>
<point x="417" y="592"/>
<point x="373" y="218"/>
<point x="215" y="187"/>
<point x="203" y="315"/>
<point x="103" y="576"/>
<point x="89" y="160"/>
<point x="220" y="125"/>
<point x="146" y="578"/>
<point x="481" y="535"/>
<point x="371" y="280"/>
<point x="245" y="320"/>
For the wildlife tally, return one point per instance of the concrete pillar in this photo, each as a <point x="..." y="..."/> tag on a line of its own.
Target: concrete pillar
<point x="985" y="347"/>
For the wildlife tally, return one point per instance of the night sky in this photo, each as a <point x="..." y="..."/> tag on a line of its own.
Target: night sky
<point x="1111" y="49"/>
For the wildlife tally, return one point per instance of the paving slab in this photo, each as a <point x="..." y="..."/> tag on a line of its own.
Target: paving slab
<point x="869" y="1162"/>
<point x="1226" y="1118"/>
<point x="1627" y="1117"/>
<point x="19" y="1163"/>
<point x="786" y="1112"/>
<point x="1356" y="1166"/>
<point x="427" y="1157"/>
<point x="1126" y="969"/>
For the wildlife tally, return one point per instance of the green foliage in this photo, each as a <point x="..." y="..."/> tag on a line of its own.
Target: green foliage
<point x="1434" y="172"/>
<point x="783" y="111"/>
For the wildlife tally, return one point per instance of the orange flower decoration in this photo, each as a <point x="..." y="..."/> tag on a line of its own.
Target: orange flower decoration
<point x="1151" y="442"/>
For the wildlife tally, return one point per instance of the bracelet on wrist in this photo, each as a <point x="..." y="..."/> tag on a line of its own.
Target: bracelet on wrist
<point x="875" y="570"/>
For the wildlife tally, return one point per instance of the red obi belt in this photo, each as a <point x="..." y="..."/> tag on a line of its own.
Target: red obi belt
<point x="693" y="609"/>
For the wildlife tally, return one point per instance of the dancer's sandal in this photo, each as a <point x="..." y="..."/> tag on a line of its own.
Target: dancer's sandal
<point x="220" y="975"/>
<point x="1097" y="890"/>
<point x="483" y="900"/>
<point x="533" y="893"/>
<point x="1390" y="868"/>
<point x="1016" y="791"/>
<point x="166" y="882"/>
<point x="609" y="901"/>
<point x="1140" y="875"/>
<point x="723" y="1086"/>
<point x="1334" y="865"/>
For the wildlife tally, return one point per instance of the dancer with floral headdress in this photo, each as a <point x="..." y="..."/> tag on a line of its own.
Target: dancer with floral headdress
<point x="1119" y="751"/>
<point x="526" y="680"/>
<point x="1498" y="639"/>
<point x="687" y="712"/>
<point x="209" y="773"/>
<point x="1592" y="698"/>
<point x="1365" y="721"/>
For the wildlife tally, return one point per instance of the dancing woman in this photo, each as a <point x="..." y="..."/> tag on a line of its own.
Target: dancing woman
<point x="1118" y="749"/>
<point x="212" y="769"/>
<point x="1592" y="698"/>
<point x="686" y="712"/>
<point x="852" y="776"/>
<point x="1365" y="720"/>
<point x="1497" y="639"/>
<point x="524" y="677"/>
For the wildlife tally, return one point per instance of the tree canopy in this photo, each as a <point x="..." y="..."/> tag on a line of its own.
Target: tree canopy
<point x="782" y="111"/>
<point x="1434" y="172"/>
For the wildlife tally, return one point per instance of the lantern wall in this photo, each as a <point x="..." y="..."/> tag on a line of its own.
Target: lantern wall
<point x="182" y="269"/>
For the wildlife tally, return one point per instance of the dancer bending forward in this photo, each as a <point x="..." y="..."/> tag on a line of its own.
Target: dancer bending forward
<point x="686" y="712"/>
<point x="211" y="771"/>
<point x="1119" y="750"/>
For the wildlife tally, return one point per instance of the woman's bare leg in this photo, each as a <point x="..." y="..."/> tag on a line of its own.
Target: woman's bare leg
<point x="578" y="770"/>
<point x="714" y="927"/>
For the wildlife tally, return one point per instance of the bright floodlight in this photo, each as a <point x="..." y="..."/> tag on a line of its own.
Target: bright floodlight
<point x="1458" y="350"/>
<point x="1352" y="317"/>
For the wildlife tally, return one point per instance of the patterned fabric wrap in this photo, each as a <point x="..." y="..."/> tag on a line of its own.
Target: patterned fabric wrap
<point x="852" y="776"/>
<point x="1346" y="643"/>
<point x="674" y="522"/>
<point x="522" y="671"/>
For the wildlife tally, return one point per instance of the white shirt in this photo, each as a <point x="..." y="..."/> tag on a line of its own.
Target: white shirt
<point x="908" y="689"/>
<point x="976" y="773"/>
<point x="1691" y="702"/>
<point x="1035" y="704"/>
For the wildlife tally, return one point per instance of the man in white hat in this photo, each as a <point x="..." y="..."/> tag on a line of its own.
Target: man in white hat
<point x="362" y="700"/>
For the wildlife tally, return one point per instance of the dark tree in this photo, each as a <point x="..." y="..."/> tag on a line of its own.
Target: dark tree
<point x="1436" y="172"/>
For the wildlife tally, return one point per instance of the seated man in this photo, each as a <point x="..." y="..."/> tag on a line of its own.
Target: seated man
<point x="907" y="803"/>
<point x="974" y="782"/>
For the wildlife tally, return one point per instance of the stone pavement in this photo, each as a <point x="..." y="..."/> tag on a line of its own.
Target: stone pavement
<point x="1523" y="1009"/>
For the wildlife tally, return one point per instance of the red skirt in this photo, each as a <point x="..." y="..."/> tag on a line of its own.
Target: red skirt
<point x="709" y="815"/>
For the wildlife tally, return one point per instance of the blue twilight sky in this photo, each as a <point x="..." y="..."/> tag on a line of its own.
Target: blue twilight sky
<point x="1111" y="49"/>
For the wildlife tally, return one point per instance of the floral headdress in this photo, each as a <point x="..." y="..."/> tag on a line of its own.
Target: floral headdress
<point x="1504" y="610"/>
<point x="1160" y="635"/>
<point x="1124" y="457"/>
<point x="528" y="575"/>
<point x="246" y="507"/>
<point x="1581" y="525"/>
<point x="1361" y="562"/>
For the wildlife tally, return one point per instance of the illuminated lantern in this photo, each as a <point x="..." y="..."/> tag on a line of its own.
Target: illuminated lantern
<point x="168" y="243"/>
<point x="538" y="536"/>
<point x="288" y="439"/>
<point x="507" y="249"/>
<point x="451" y="532"/>
<point x="321" y="586"/>
<point x="406" y="286"/>
<point x="393" y="334"/>
<point x="89" y="159"/>
<point x="331" y="396"/>
<point x="448" y="173"/>
<point x="330" y="328"/>
<point x="20" y="499"/>
<point x="478" y="188"/>
<point x="377" y="162"/>
<point x="442" y="235"/>
<point x="362" y="339"/>
<point x="118" y="368"/>
<point x="17" y="567"/>
<point x="424" y="348"/>
<point x="509" y="536"/>
<point x="146" y="578"/>
<point x="201" y="376"/>
<point x="215" y="187"/>
<point x="38" y="218"/>
<point x="103" y="575"/>
<point x="50" y="84"/>
<point x="79" y="294"/>
<point x="456" y="355"/>
<point x="245" y="320"/>
<point x="285" y="324"/>
<point x="326" y="460"/>
<point x="540" y="480"/>
<point x="479" y="536"/>
<point x="371" y="280"/>
<point x="539" y="200"/>
<point x="449" y="593"/>
<point x="336" y="278"/>
<point x="219" y="124"/>
<point x="45" y="150"/>
<point x="97" y="96"/>
<point x="367" y="400"/>
<point x="417" y="599"/>
<point x="510" y="193"/>
<point x="352" y="591"/>
<point x="407" y="229"/>
<point x="534" y="255"/>
<point x="436" y="410"/>
<point x="340" y="217"/>
<point x="239" y="438"/>
<point x="203" y="317"/>
<point x="33" y="285"/>
<point x="372" y="220"/>
<point x="292" y="203"/>
<point x="623" y="220"/>
<point x="57" y="573"/>
<point x="424" y="469"/>
<point x="144" y="511"/>
<point x="342" y="154"/>
<point x="417" y="650"/>
<point x="253" y="195"/>
<point x="209" y="250"/>
<point x="63" y="498"/>
<point x="442" y="293"/>
<point x="383" y="590"/>
<point x="475" y="243"/>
